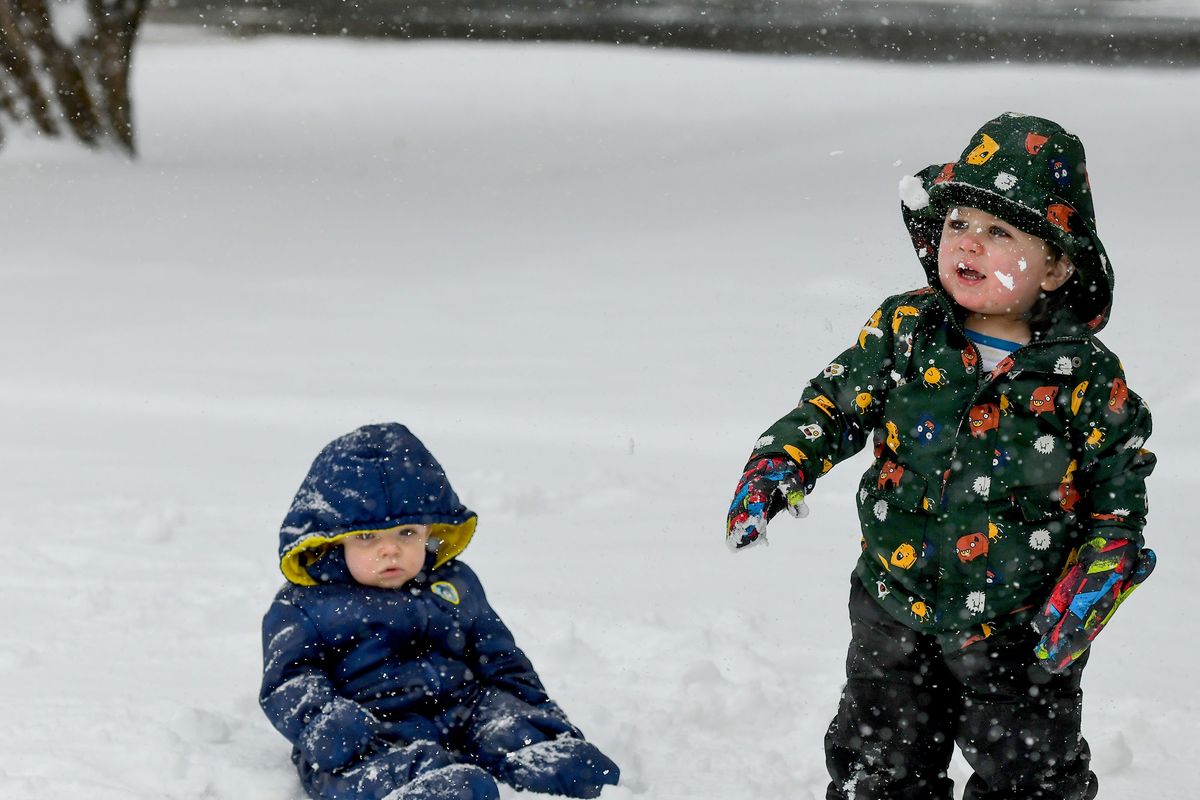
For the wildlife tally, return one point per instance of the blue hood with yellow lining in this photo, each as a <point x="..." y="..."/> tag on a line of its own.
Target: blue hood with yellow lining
<point x="374" y="478"/>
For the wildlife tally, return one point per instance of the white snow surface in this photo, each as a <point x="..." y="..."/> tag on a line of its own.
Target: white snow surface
<point x="588" y="278"/>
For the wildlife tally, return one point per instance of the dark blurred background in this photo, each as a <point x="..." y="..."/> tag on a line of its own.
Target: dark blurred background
<point x="1160" y="33"/>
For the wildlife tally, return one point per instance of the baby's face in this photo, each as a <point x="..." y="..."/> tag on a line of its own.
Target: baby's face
<point x="993" y="268"/>
<point x="386" y="559"/>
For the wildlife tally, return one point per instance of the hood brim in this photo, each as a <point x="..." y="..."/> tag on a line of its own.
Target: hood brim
<point x="452" y="538"/>
<point x="1092" y="297"/>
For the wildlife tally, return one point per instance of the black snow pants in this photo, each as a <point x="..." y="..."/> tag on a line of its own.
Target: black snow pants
<point x="908" y="701"/>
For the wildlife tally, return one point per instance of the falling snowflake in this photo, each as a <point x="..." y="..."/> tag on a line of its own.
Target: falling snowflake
<point x="881" y="510"/>
<point x="1044" y="444"/>
<point x="1040" y="539"/>
<point x="975" y="602"/>
<point x="764" y="441"/>
<point x="982" y="486"/>
<point x="1005" y="181"/>
<point x="1063" y="366"/>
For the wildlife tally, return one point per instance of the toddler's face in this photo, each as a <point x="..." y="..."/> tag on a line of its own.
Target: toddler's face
<point x="386" y="559"/>
<point x="993" y="268"/>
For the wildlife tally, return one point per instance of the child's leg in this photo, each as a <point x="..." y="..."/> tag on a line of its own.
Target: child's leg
<point x="1020" y="728"/>
<point x="893" y="735"/>
<point x="535" y="749"/>
<point x="418" y="771"/>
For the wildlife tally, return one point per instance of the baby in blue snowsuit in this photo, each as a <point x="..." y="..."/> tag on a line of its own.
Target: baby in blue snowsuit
<point x="383" y="663"/>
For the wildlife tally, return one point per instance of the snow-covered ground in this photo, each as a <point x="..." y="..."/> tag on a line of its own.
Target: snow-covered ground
<point x="587" y="277"/>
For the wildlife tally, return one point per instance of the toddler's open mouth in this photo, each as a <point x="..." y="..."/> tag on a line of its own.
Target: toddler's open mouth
<point x="968" y="274"/>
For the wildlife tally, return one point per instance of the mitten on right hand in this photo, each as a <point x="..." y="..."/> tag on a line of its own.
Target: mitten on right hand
<point x="339" y="735"/>
<point x="768" y="485"/>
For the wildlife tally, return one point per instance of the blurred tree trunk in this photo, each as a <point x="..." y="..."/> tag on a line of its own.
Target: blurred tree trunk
<point x="64" y="67"/>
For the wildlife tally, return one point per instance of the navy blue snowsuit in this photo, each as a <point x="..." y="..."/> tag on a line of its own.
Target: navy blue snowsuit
<point x="416" y="693"/>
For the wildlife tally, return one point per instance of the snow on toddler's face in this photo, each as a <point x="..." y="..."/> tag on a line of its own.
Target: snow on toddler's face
<point x="992" y="268"/>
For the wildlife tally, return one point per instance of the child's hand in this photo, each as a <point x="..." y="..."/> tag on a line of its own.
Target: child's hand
<point x="1085" y="599"/>
<point x="768" y="485"/>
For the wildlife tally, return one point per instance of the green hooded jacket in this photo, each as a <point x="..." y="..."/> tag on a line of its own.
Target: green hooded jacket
<point x="984" y="484"/>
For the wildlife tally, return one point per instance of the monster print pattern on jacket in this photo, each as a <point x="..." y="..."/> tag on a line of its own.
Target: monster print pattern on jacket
<point x="984" y="484"/>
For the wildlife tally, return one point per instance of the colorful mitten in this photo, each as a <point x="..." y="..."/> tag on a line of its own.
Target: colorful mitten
<point x="769" y="484"/>
<point x="1084" y="600"/>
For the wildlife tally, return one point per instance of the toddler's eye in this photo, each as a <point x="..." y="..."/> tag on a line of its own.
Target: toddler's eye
<point x="365" y="537"/>
<point x="956" y="224"/>
<point x="999" y="232"/>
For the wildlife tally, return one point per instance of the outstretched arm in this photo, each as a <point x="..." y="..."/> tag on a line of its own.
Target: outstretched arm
<point x="837" y="412"/>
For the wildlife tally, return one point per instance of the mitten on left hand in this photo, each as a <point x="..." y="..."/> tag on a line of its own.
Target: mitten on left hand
<point x="564" y="766"/>
<point x="552" y="721"/>
<point x="1085" y="598"/>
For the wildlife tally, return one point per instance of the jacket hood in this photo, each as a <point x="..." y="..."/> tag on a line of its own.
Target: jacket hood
<point x="1032" y="173"/>
<point x="374" y="478"/>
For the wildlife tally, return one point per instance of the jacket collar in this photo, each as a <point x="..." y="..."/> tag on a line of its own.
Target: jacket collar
<point x="1054" y="350"/>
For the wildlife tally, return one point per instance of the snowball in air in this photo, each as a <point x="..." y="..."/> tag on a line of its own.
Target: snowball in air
<point x="912" y="193"/>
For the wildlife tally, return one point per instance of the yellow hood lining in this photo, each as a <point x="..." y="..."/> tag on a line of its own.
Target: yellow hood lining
<point x="452" y="540"/>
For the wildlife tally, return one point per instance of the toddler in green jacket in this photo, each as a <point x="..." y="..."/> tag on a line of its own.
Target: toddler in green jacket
<point x="1002" y="516"/>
